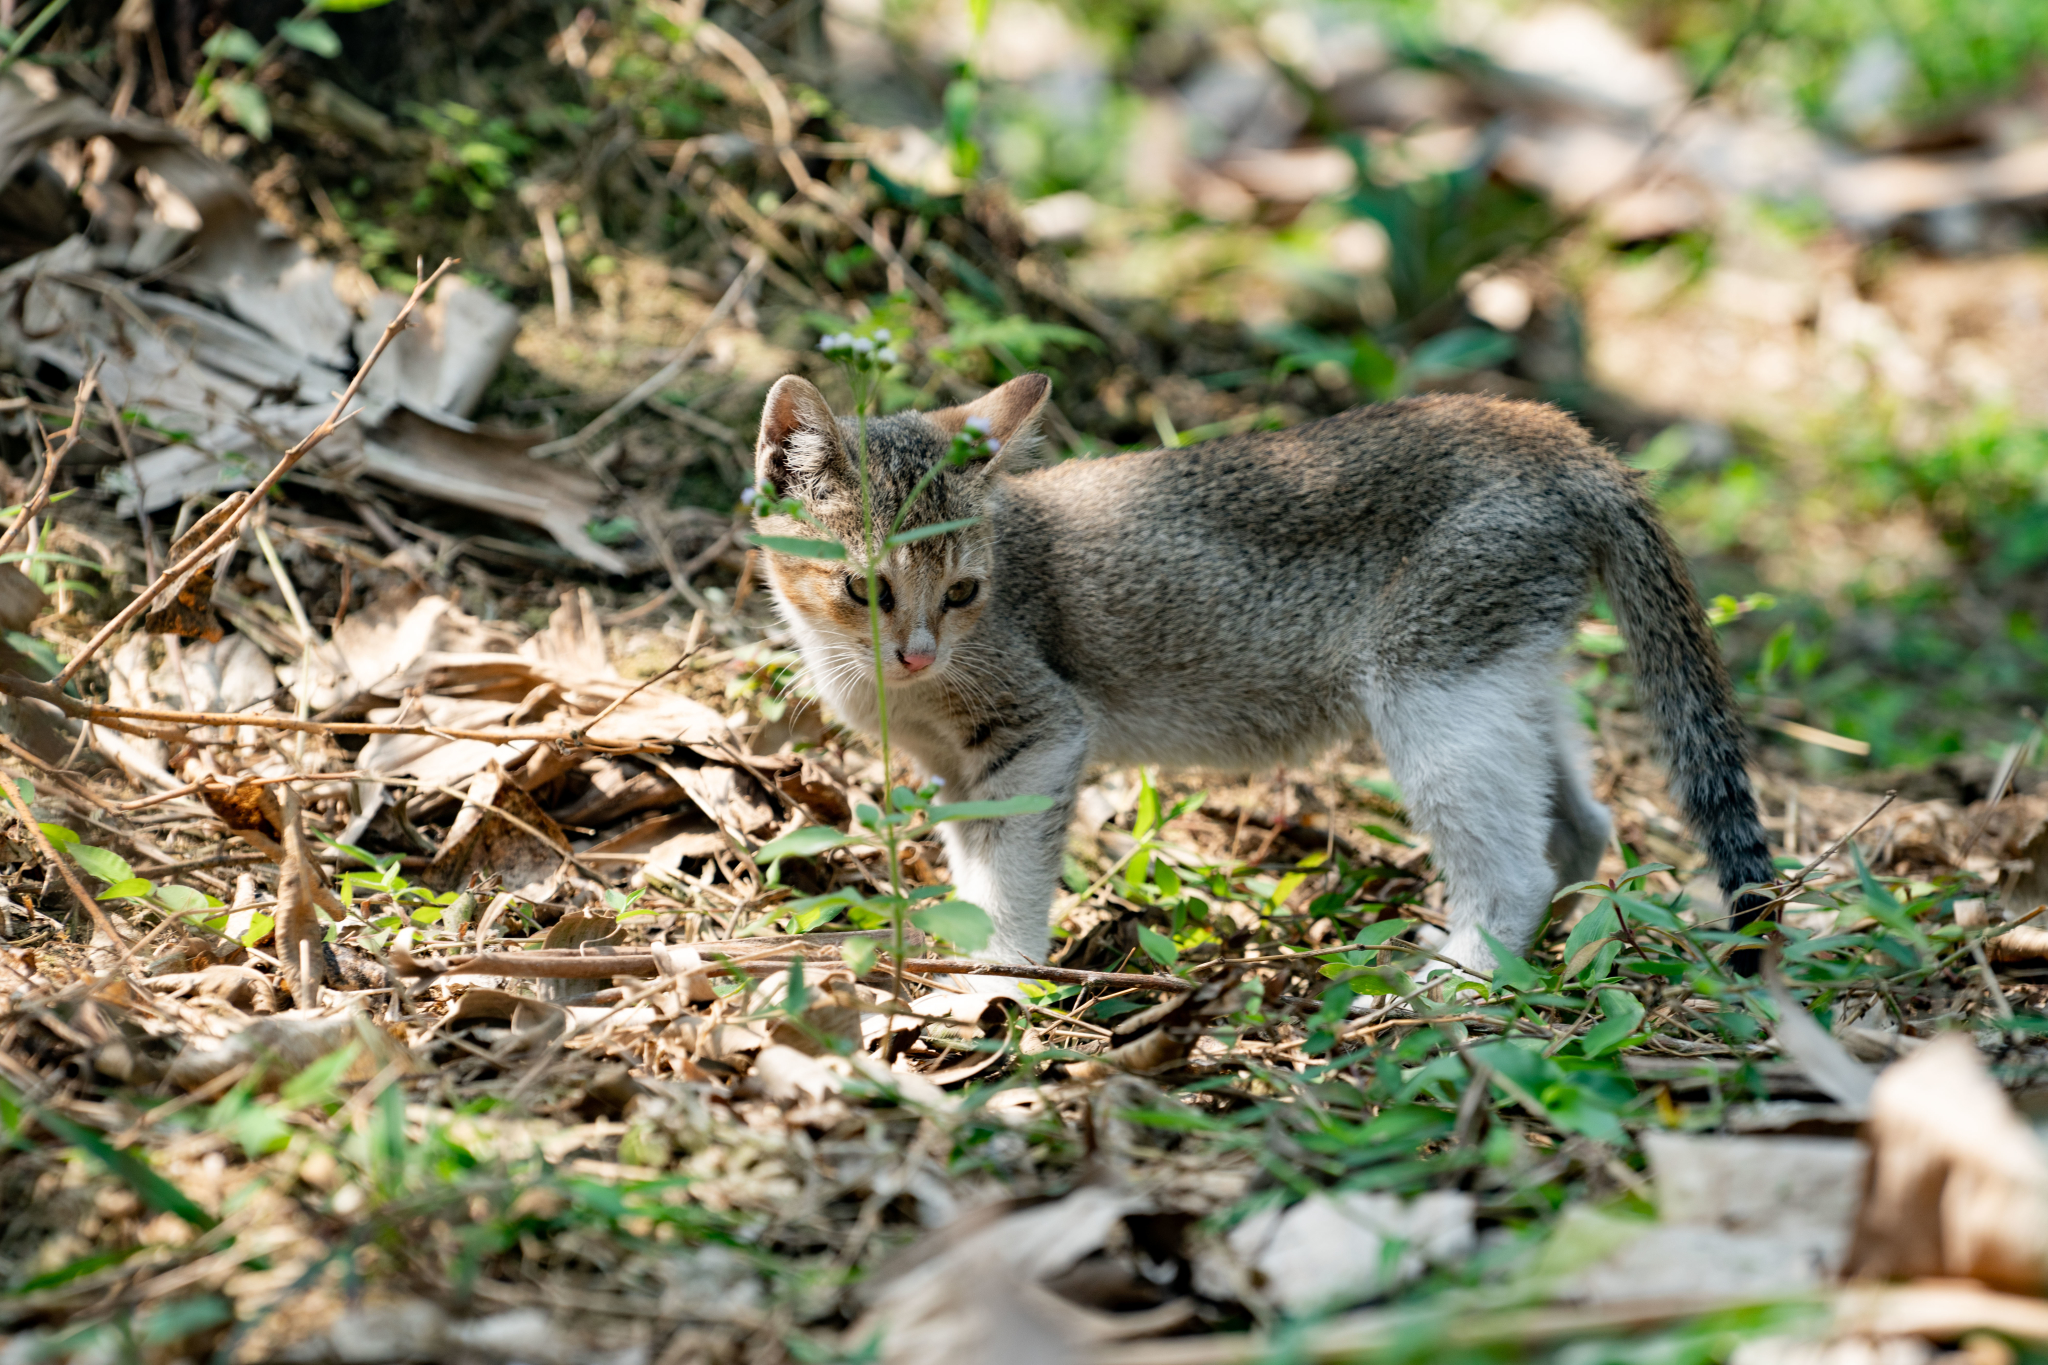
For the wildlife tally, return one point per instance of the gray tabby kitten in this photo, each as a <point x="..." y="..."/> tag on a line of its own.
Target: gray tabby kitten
<point x="1410" y="570"/>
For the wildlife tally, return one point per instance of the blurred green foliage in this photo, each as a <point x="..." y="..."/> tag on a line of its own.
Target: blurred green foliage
<point x="1944" y="56"/>
<point x="1923" y="655"/>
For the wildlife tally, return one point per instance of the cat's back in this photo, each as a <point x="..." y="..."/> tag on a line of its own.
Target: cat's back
<point x="1385" y="466"/>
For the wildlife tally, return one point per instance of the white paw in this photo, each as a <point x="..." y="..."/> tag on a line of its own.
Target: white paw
<point x="1465" y="953"/>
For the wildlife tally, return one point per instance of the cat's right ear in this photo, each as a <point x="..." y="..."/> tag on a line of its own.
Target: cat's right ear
<point x="799" y="442"/>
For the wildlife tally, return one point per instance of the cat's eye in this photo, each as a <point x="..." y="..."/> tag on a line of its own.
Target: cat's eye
<point x="857" y="589"/>
<point x="963" y="592"/>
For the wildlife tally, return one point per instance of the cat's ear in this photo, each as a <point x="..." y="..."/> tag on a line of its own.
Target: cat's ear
<point x="1011" y="411"/>
<point x="799" y="442"/>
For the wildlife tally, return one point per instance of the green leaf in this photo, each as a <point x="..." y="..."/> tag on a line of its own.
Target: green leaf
<point x="99" y="1260"/>
<point x="1158" y="946"/>
<point x="151" y="1188"/>
<point x="1664" y="451"/>
<point x="350" y="6"/>
<point x="990" y="810"/>
<point x="57" y="834"/>
<point x="126" y="888"/>
<point x="1874" y="891"/>
<point x="1147" y="817"/>
<point x="15" y="510"/>
<point x="181" y="900"/>
<point x="1458" y="351"/>
<point x="234" y="45"/>
<point x="26" y="788"/>
<point x="1376" y="373"/>
<point x="965" y="926"/>
<point x="1373" y="935"/>
<point x="1587" y="935"/>
<point x="311" y="34"/>
<point x="858" y="954"/>
<point x="108" y="867"/>
<point x="1648" y="912"/>
<point x="804" y="547"/>
<point x="259" y="929"/>
<point x="315" y="1084"/>
<point x="245" y="104"/>
<point x="1509" y="970"/>
<point x="39" y="652"/>
<point x="937" y="528"/>
<point x="807" y="842"/>
<point x="1622" y="1013"/>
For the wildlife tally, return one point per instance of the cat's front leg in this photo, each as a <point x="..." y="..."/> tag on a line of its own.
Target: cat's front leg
<point x="1011" y="866"/>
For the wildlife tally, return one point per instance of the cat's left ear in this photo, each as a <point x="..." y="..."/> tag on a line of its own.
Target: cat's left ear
<point x="1011" y="411"/>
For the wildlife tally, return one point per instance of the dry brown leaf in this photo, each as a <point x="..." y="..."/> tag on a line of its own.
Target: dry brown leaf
<point x="804" y="783"/>
<point x="299" y="936"/>
<point x="1332" y="1250"/>
<point x="1958" y="1182"/>
<point x="977" y="1290"/>
<point x="527" y="851"/>
<point x="21" y="601"/>
<point x="281" y="1047"/>
<point x="789" y="1076"/>
<point x="1162" y="1036"/>
<point x="243" y="987"/>
<point x="616" y="791"/>
<point x="186" y="610"/>
<point x="733" y="799"/>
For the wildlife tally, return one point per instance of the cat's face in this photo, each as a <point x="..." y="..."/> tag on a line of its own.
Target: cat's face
<point x="930" y="592"/>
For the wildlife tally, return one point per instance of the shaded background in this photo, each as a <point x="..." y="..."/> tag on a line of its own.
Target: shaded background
<point x="1784" y="255"/>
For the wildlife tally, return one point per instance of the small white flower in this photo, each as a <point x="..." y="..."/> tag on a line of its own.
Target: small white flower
<point x="863" y="345"/>
<point x="882" y="334"/>
<point x="992" y="445"/>
<point x="938" y="782"/>
<point x="887" y="355"/>
<point x="978" y="425"/>
<point x="747" y="495"/>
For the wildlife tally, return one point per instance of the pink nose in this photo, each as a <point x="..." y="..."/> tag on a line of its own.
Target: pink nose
<point x="915" y="663"/>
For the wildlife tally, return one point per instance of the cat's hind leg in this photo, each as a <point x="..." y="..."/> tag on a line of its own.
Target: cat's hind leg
<point x="1475" y="756"/>
<point x="1580" y="826"/>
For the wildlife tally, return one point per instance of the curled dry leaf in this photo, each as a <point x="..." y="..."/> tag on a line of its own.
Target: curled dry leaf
<point x="243" y="987"/>
<point x="186" y="609"/>
<point x="299" y="936"/>
<point x="1735" y="1216"/>
<point x="983" y="1288"/>
<point x="1164" y="1035"/>
<point x="281" y="1047"/>
<point x="1331" y="1250"/>
<point x="1958" y="1182"/>
<point x="501" y="829"/>
<point x="2022" y="941"/>
<point x="21" y="601"/>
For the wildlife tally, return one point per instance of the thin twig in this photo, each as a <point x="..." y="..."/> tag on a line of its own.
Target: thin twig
<point x="1797" y="880"/>
<point x="232" y="526"/>
<point x="53" y="455"/>
<point x="595" y="720"/>
<point x="63" y="866"/>
<point x="782" y="128"/>
<point x="135" y="476"/>
<point x="126" y="718"/>
<point x="578" y="967"/>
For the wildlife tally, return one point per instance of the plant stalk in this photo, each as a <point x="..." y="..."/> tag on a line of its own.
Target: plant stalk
<point x="889" y="834"/>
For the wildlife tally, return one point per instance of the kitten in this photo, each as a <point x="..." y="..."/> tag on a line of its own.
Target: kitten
<point x="1411" y="570"/>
